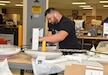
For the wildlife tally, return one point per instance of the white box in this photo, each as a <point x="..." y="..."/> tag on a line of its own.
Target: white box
<point x="37" y="32"/>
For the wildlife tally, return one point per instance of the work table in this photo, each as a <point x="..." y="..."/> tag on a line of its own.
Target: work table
<point x="22" y="61"/>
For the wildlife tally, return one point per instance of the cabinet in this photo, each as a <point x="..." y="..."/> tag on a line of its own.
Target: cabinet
<point x="8" y="37"/>
<point x="9" y="34"/>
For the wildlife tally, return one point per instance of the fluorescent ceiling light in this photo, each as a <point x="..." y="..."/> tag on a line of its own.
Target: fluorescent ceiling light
<point x="2" y="4"/>
<point x="78" y="2"/>
<point x="85" y="6"/>
<point x="5" y="2"/>
<point x="18" y="4"/>
<point x="103" y="1"/>
<point x="105" y="5"/>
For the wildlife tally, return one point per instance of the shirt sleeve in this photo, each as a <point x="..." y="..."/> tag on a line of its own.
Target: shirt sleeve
<point x="68" y="27"/>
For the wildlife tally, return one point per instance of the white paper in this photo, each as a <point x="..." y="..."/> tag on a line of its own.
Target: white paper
<point x="57" y="60"/>
<point x="93" y="48"/>
<point x="50" y="67"/>
<point x="105" y="28"/>
<point x="93" y="72"/>
<point x="40" y="59"/>
<point x="4" y="68"/>
<point x="58" y="65"/>
<point x="36" y="33"/>
<point x="35" y="39"/>
<point x="92" y="63"/>
<point x="41" y="32"/>
<point x="98" y="59"/>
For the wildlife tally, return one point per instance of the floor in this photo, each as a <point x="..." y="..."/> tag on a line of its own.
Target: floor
<point x="26" y="72"/>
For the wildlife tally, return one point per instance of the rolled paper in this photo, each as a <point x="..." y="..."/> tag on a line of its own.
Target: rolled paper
<point x="19" y="35"/>
<point x="44" y="46"/>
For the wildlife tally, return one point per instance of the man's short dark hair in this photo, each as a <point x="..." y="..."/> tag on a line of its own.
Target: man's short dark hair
<point x="49" y="10"/>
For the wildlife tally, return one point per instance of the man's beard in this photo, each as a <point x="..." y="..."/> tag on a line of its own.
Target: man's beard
<point x="55" y="20"/>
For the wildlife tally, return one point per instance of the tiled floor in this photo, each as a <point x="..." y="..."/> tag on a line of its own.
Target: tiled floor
<point x="26" y="72"/>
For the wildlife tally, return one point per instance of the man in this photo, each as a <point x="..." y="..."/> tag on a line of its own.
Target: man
<point x="66" y="36"/>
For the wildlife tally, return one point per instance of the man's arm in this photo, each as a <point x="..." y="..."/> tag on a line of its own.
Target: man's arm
<point x="49" y="33"/>
<point x="60" y="36"/>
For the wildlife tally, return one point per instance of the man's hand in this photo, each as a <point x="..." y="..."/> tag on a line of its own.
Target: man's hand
<point x="41" y="39"/>
<point x="60" y="36"/>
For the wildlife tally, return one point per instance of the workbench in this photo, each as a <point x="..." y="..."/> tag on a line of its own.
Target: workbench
<point x="90" y="38"/>
<point x="20" y="61"/>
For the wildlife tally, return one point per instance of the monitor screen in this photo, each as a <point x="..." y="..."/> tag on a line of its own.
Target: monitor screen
<point x="96" y="22"/>
<point x="79" y="24"/>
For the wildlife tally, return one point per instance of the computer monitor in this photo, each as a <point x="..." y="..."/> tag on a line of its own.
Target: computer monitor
<point x="79" y="24"/>
<point x="105" y="30"/>
<point x="96" y="22"/>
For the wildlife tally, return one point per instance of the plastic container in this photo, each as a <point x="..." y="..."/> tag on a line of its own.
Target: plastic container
<point x="102" y="47"/>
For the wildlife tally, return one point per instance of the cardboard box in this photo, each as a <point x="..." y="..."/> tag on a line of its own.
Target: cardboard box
<point x="78" y="69"/>
<point x="105" y="71"/>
